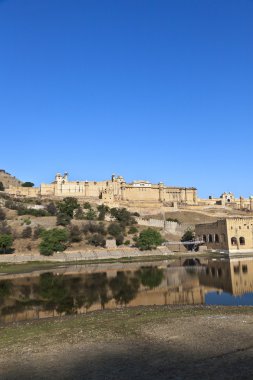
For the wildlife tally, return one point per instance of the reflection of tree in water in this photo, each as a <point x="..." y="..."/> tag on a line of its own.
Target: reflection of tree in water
<point x="56" y="291"/>
<point x="125" y="287"/>
<point x="151" y="276"/>
<point x="67" y="294"/>
<point x="94" y="289"/>
<point x="5" y="290"/>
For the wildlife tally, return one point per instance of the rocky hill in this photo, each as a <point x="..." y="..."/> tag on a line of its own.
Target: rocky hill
<point x="8" y="180"/>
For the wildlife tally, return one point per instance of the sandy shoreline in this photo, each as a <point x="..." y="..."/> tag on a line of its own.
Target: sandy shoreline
<point x="141" y="343"/>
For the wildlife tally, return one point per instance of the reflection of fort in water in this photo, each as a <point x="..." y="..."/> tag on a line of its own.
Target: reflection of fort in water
<point x="80" y="289"/>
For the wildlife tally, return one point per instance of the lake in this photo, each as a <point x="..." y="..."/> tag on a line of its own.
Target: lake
<point x="78" y="289"/>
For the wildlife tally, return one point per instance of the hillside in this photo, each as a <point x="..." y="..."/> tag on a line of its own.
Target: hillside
<point x="8" y="180"/>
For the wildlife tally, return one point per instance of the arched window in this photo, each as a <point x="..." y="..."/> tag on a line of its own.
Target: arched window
<point x="216" y="237"/>
<point x="210" y="238"/>
<point x="242" y="240"/>
<point x="204" y="238"/>
<point x="233" y="241"/>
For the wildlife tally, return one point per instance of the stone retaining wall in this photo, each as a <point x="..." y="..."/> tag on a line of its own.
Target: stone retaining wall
<point x="85" y="255"/>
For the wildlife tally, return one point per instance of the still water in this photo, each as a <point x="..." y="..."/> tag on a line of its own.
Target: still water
<point x="83" y="288"/>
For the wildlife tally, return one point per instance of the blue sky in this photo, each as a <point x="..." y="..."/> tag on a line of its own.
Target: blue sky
<point x="149" y="89"/>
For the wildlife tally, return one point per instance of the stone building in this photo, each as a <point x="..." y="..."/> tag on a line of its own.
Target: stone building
<point x="113" y="190"/>
<point x="228" y="200"/>
<point x="231" y="235"/>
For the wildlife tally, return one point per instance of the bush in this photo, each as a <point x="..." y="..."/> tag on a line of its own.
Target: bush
<point x="93" y="227"/>
<point x="51" y="209"/>
<point x="149" y="239"/>
<point x="79" y="214"/>
<point x="133" y="230"/>
<point x="115" y="229"/>
<point x="33" y="212"/>
<point x="63" y="219"/>
<point x="1" y="186"/>
<point x="90" y="215"/>
<point x="26" y="233"/>
<point x="119" y="239"/>
<point x="127" y="242"/>
<point x="4" y="228"/>
<point x="26" y="221"/>
<point x="103" y="210"/>
<point x="74" y="234"/>
<point x="53" y="241"/>
<point x="87" y="205"/>
<point x="37" y="232"/>
<point x="97" y="240"/>
<point x="2" y="214"/>
<point x="67" y="206"/>
<point x="6" y="242"/>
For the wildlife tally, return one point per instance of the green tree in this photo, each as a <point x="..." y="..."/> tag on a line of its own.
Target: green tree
<point x="133" y="230"/>
<point x="1" y="186"/>
<point x="27" y="184"/>
<point x="123" y="216"/>
<point x="6" y="242"/>
<point x="149" y="239"/>
<point x="103" y="210"/>
<point x="52" y="241"/>
<point x="68" y="205"/>
<point x="63" y="219"/>
<point x="189" y="235"/>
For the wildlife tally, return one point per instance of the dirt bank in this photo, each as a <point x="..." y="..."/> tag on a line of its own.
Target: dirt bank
<point x="142" y="343"/>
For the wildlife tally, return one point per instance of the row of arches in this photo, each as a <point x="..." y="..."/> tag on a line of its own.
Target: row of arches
<point x="209" y="238"/>
<point x="234" y="240"/>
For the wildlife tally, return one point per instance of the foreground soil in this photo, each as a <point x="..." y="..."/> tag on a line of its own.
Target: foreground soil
<point x="140" y="343"/>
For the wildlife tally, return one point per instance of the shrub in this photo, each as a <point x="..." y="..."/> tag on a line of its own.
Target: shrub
<point x="26" y="221"/>
<point x="2" y="214"/>
<point x="6" y="242"/>
<point x="51" y="209"/>
<point x="173" y="220"/>
<point x="52" y="241"/>
<point x="74" y="234"/>
<point x="87" y="205"/>
<point x="188" y="236"/>
<point x="149" y="239"/>
<point x="119" y="239"/>
<point x="127" y="242"/>
<point x="26" y="233"/>
<point x="33" y="212"/>
<point x="93" y="227"/>
<point x="37" y="232"/>
<point x="1" y="186"/>
<point x="63" y="219"/>
<point x="97" y="240"/>
<point x="90" y="214"/>
<point x="133" y="230"/>
<point x="4" y="228"/>
<point x="115" y="229"/>
<point x="79" y="214"/>
<point x="103" y="210"/>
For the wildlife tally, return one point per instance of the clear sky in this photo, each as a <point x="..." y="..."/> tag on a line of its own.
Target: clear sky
<point x="149" y="89"/>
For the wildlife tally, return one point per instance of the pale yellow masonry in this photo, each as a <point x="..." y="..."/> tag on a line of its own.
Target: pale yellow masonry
<point x="231" y="235"/>
<point x="113" y="190"/>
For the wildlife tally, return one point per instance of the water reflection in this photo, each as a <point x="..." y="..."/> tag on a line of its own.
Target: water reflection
<point x="79" y="289"/>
